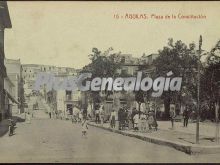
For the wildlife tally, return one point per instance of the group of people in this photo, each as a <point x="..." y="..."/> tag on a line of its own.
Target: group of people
<point x="136" y="120"/>
<point x="55" y="115"/>
<point x="77" y="117"/>
<point x="186" y="115"/>
<point x="122" y="118"/>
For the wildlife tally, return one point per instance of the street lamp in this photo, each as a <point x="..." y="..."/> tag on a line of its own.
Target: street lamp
<point x="198" y="92"/>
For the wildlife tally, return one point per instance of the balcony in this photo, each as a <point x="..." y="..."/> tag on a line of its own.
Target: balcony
<point x="68" y="97"/>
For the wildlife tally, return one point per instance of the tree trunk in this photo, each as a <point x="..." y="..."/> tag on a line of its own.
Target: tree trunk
<point x="167" y="107"/>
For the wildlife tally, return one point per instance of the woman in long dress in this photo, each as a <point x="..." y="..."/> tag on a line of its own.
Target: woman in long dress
<point x="84" y="126"/>
<point x="142" y="122"/>
<point x="130" y="121"/>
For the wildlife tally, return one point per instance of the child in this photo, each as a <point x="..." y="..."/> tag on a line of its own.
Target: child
<point x="84" y="127"/>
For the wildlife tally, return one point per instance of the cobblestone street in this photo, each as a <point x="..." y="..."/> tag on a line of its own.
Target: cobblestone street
<point x="51" y="140"/>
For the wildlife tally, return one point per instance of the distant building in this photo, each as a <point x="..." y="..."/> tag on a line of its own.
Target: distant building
<point x="5" y="22"/>
<point x="63" y="101"/>
<point x="148" y="59"/>
<point x="129" y="64"/>
<point x="30" y="71"/>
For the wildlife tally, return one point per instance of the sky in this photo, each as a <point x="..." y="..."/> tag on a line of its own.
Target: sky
<point x="64" y="33"/>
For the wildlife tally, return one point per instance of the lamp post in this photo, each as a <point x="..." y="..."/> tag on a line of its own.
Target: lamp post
<point x="198" y="92"/>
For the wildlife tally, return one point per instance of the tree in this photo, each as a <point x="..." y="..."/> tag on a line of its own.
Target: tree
<point x="102" y="65"/>
<point x="210" y="82"/>
<point x="182" y="61"/>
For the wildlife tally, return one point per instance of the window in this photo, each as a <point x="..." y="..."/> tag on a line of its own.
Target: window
<point x="68" y="95"/>
<point x="123" y="59"/>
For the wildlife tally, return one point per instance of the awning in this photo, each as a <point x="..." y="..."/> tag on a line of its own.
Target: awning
<point x="11" y="97"/>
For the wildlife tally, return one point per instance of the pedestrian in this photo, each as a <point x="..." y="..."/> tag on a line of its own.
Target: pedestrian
<point x="97" y="117"/>
<point x="89" y="112"/>
<point x="133" y="113"/>
<point x="136" y="121"/>
<point x="11" y="126"/>
<point x="75" y="114"/>
<point x="172" y="116"/>
<point x="28" y="118"/>
<point x="56" y="114"/>
<point x="120" y="113"/>
<point x="123" y="118"/>
<point x="50" y="115"/>
<point x="143" y="122"/>
<point x="72" y="119"/>
<point x="152" y="122"/>
<point x="147" y="120"/>
<point x="101" y="110"/>
<point x="112" y="118"/>
<point x="80" y="117"/>
<point x="126" y="120"/>
<point x="84" y="127"/>
<point x="130" y="120"/>
<point x="185" y="116"/>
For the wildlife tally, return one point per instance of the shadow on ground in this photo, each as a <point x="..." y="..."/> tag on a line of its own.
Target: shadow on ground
<point x="3" y="127"/>
<point x="4" y="124"/>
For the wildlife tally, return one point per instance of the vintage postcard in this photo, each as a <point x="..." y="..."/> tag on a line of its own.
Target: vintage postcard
<point x="109" y="82"/>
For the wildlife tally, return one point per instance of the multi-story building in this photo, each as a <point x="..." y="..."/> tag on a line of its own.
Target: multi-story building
<point x="62" y="102"/>
<point x="66" y="100"/>
<point x="30" y="71"/>
<point x="14" y="72"/>
<point x="5" y="22"/>
<point x="129" y="66"/>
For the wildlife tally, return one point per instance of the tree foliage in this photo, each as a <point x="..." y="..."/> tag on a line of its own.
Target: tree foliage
<point x="102" y="65"/>
<point x="182" y="61"/>
<point x="210" y="83"/>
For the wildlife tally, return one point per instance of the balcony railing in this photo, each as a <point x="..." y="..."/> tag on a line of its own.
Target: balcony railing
<point x="68" y="97"/>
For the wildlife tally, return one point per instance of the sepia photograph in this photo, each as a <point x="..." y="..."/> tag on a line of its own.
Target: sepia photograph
<point x="109" y="81"/>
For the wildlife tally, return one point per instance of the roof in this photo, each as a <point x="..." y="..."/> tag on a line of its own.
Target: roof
<point x="5" y="14"/>
<point x="12" y="61"/>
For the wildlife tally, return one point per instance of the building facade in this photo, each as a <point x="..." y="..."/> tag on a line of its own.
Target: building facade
<point x="30" y="71"/>
<point x="5" y="22"/>
<point x="14" y="72"/>
<point x="10" y="101"/>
